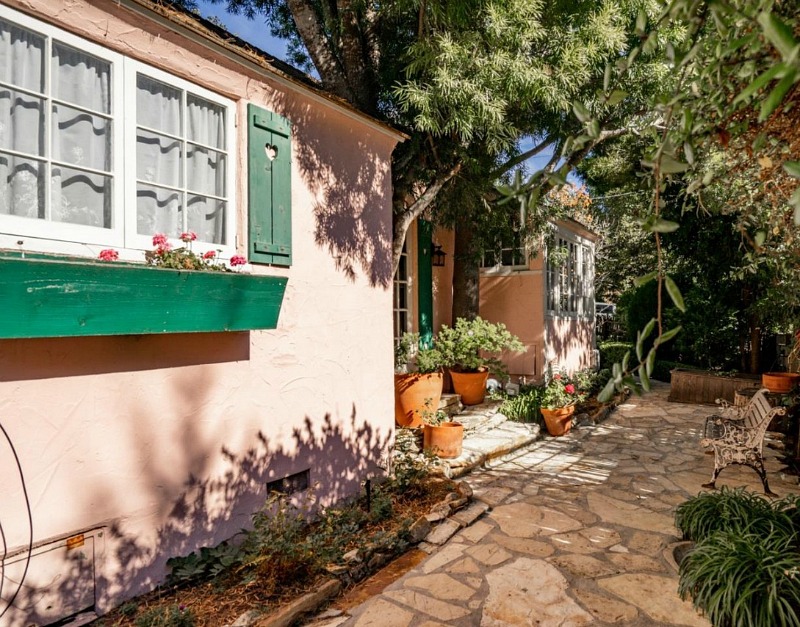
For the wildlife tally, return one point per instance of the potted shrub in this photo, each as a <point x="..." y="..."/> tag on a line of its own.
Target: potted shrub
<point x="558" y="404"/>
<point x="417" y="380"/>
<point x="441" y="436"/>
<point x="470" y="350"/>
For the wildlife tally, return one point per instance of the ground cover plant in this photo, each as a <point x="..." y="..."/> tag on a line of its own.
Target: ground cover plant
<point x="745" y="568"/>
<point x="525" y="406"/>
<point x="288" y="552"/>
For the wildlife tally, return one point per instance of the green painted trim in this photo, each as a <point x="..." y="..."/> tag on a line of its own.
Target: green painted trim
<point x="269" y="187"/>
<point x="425" y="282"/>
<point x="62" y="297"/>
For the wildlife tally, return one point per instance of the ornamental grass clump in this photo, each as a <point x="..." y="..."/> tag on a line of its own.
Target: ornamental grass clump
<point x="745" y="568"/>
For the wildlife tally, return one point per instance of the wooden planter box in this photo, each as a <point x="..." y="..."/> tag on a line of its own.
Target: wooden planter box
<point x="699" y="386"/>
<point x="56" y="297"/>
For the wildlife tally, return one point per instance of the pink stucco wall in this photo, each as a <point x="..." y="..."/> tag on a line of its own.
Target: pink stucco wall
<point x="570" y="342"/>
<point x="516" y="300"/>
<point x="167" y="442"/>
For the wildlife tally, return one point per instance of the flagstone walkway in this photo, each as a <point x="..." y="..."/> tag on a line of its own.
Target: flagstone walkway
<point x="578" y="533"/>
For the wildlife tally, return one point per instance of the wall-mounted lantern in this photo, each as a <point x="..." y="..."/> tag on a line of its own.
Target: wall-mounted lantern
<point x="437" y="255"/>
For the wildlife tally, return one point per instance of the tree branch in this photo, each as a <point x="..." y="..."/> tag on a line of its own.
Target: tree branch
<point x="404" y="218"/>
<point x="522" y="157"/>
<point x="320" y="50"/>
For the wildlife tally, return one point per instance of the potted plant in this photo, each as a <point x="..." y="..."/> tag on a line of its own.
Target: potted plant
<point x="441" y="436"/>
<point x="558" y="404"/>
<point x="470" y="350"/>
<point x="417" y="380"/>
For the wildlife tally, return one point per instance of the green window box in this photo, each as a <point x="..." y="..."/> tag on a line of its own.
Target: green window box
<point x="57" y="297"/>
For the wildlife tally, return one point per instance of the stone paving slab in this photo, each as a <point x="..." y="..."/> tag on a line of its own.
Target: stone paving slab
<point x="578" y="530"/>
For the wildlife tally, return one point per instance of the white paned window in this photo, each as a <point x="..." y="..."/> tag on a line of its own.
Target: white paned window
<point x="570" y="279"/>
<point x="402" y="302"/>
<point x="509" y="251"/>
<point x="99" y="150"/>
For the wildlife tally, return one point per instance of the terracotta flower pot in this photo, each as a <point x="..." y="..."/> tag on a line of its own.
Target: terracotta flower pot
<point x="558" y="421"/>
<point x="411" y="393"/>
<point x="471" y="386"/>
<point x="444" y="440"/>
<point x="780" y="382"/>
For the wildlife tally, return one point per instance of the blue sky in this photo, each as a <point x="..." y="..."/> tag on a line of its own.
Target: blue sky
<point x="254" y="31"/>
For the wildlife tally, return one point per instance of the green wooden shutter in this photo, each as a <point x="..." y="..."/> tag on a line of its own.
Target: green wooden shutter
<point x="270" y="189"/>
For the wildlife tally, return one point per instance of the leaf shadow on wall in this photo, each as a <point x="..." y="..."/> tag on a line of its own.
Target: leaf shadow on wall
<point x="346" y="166"/>
<point x="200" y="482"/>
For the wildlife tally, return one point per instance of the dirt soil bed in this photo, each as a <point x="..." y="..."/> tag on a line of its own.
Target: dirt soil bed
<point x="223" y="599"/>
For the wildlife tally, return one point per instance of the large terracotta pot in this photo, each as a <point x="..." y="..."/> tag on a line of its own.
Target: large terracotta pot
<point x="444" y="440"/>
<point x="558" y="421"/>
<point x="780" y="382"/>
<point x="411" y="393"/>
<point x="471" y="386"/>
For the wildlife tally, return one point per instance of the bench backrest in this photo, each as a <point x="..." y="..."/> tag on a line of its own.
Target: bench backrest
<point x="758" y="409"/>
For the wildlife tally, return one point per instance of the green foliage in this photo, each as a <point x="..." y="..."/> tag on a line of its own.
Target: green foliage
<point x="431" y="417"/>
<point x="662" y="369"/>
<point x="203" y="564"/>
<point x="408" y="469"/>
<point x="732" y="510"/>
<point x="169" y="616"/>
<point x="560" y="391"/>
<point x="411" y="356"/>
<point x="745" y="569"/>
<point x="744" y="580"/>
<point x="613" y="352"/>
<point x="381" y="507"/>
<point x="524" y="407"/>
<point x="472" y="345"/>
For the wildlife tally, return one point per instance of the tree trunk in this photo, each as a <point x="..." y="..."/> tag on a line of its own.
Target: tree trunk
<point x="466" y="274"/>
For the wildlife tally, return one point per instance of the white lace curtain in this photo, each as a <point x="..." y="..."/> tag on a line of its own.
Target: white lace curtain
<point x="80" y="131"/>
<point x="180" y="169"/>
<point x="162" y="146"/>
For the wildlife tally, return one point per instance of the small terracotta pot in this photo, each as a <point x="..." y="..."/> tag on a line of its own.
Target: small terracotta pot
<point x="558" y="421"/>
<point x="411" y="391"/>
<point x="444" y="440"/>
<point x="471" y="386"/>
<point x="780" y="382"/>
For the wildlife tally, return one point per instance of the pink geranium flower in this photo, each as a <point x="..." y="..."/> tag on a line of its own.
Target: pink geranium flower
<point x="188" y="236"/>
<point x="209" y="254"/>
<point x="109" y="254"/>
<point x="159" y="239"/>
<point x="569" y="388"/>
<point x="238" y="260"/>
<point x="163" y="249"/>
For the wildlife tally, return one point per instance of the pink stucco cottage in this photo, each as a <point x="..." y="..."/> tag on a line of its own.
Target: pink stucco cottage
<point x="547" y="299"/>
<point x="146" y="411"/>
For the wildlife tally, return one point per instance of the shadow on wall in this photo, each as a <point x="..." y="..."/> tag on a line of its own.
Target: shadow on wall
<point x="46" y="358"/>
<point x="351" y="181"/>
<point x="199" y="490"/>
<point x="570" y="337"/>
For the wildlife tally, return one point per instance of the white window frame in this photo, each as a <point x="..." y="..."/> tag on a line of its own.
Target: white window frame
<point x="579" y="279"/>
<point x="500" y="267"/>
<point x="403" y="284"/>
<point x="26" y="234"/>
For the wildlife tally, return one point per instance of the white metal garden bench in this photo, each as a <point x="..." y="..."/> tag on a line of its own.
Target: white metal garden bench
<point x="737" y="436"/>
